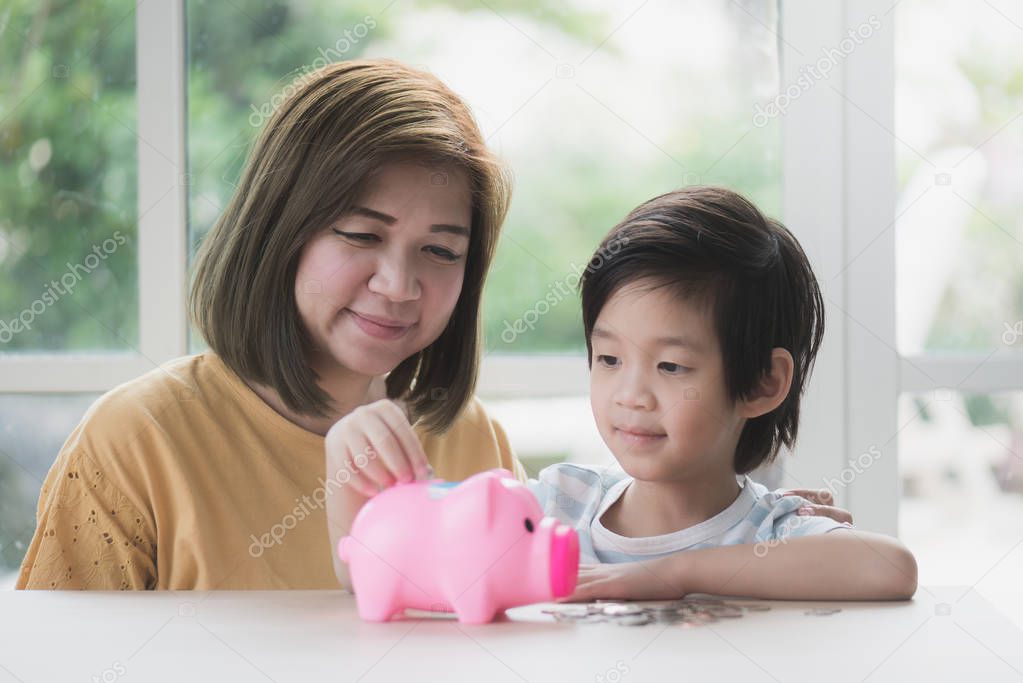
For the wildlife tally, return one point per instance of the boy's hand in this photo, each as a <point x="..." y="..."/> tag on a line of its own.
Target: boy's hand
<point x="646" y="580"/>
<point x="823" y="504"/>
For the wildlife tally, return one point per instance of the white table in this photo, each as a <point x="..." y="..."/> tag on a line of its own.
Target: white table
<point x="946" y="634"/>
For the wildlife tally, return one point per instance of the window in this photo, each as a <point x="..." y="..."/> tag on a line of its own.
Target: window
<point x="68" y="165"/>
<point x="959" y="149"/>
<point x="959" y="296"/>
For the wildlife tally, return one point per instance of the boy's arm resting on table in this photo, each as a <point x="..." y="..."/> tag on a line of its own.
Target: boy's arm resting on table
<point x="844" y="564"/>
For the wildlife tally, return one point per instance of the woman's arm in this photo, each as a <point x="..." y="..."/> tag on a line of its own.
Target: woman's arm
<point x="342" y="507"/>
<point x="843" y="564"/>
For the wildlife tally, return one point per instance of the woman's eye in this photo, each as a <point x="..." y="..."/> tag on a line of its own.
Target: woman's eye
<point x="673" y="368"/>
<point x="445" y="254"/>
<point x="609" y="361"/>
<point x="358" y="236"/>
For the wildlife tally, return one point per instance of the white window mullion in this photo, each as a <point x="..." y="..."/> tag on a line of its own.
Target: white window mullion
<point x="812" y="201"/>
<point x="162" y="179"/>
<point x="870" y="196"/>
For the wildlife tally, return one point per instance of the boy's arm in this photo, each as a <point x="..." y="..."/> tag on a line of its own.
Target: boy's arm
<point x="843" y="564"/>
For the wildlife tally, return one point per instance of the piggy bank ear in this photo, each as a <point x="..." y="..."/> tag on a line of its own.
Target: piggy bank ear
<point x="475" y="502"/>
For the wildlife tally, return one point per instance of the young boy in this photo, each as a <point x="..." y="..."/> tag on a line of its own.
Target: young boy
<point x="702" y="320"/>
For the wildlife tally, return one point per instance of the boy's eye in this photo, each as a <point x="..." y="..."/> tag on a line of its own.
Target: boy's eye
<point x="609" y="361"/>
<point x="443" y="254"/>
<point x="358" y="236"/>
<point x="672" y="368"/>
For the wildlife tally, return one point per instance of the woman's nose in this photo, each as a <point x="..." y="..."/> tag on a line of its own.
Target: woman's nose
<point x="395" y="279"/>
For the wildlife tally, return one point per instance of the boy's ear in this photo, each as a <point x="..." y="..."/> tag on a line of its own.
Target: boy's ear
<point x="773" y="388"/>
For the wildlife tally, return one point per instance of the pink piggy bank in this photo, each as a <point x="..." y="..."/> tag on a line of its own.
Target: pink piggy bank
<point x="475" y="548"/>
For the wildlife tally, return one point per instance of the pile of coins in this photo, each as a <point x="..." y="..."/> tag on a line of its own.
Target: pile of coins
<point x="688" y="612"/>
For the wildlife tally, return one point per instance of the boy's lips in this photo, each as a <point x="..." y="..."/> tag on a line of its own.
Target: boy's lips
<point x="638" y="436"/>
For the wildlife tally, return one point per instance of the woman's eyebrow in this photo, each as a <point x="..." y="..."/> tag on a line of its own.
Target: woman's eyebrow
<point x="391" y="220"/>
<point x="375" y="215"/>
<point x="454" y="229"/>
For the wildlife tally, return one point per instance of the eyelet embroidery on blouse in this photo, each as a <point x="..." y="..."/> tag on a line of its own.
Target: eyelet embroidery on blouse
<point x="93" y="536"/>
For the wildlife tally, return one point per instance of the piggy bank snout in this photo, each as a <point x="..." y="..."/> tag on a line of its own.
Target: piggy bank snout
<point x="564" y="555"/>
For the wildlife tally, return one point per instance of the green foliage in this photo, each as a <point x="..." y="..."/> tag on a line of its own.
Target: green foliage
<point x="67" y="174"/>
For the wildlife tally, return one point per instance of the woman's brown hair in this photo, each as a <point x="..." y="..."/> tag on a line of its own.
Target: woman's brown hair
<point x="308" y="167"/>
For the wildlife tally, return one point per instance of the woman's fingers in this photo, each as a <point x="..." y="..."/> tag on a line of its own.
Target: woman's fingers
<point x="362" y="462"/>
<point x="396" y="418"/>
<point x="355" y="480"/>
<point x="370" y="462"/>
<point x="378" y="447"/>
<point x="818" y="496"/>
<point x="389" y="449"/>
<point x="822" y="504"/>
<point x="837" y="514"/>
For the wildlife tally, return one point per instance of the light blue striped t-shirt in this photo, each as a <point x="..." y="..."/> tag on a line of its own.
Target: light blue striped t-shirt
<point x="580" y="494"/>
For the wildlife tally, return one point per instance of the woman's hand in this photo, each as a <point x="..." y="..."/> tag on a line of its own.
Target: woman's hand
<point x="369" y="449"/>
<point x="646" y="580"/>
<point x="823" y="504"/>
<point x="375" y="444"/>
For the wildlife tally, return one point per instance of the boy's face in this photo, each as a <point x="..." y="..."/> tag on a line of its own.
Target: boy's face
<point x="657" y="387"/>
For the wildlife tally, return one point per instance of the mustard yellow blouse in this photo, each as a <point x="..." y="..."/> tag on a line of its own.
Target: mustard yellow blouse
<point x="185" y="479"/>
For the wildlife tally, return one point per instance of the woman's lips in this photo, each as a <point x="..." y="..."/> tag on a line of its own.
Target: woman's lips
<point x="379" y="328"/>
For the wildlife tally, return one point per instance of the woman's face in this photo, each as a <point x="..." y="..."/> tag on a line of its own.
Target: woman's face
<point x="380" y="284"/>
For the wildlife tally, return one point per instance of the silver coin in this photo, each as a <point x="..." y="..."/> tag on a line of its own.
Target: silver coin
<point x="576" y="612"/>
<point x="633" y="620"/>
<point x="592" y="619"/>
<point x="615" y="610"/>
<point x="822" y="611"/>
<point x="754" y="607"/>
<point x="691" y="622"/>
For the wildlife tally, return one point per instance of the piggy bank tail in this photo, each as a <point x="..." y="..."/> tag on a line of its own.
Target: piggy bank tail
<point x="343" y="546"/>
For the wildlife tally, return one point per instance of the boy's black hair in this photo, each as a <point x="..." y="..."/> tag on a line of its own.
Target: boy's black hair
<point x="714" y="247"/>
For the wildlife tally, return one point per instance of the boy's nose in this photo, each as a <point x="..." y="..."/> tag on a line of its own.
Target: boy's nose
<point x="635" y="396"/>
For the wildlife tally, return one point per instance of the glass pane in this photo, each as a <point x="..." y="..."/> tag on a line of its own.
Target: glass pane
<point x="68" y="278"/>
<point x="34" y="427"/>
<point x="961" y="513"/>
<point x="594" y="109"/>
<point x="959" y="237"/>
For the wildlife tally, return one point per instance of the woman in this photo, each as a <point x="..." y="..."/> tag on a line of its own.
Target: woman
<point x="339" y="294"/>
